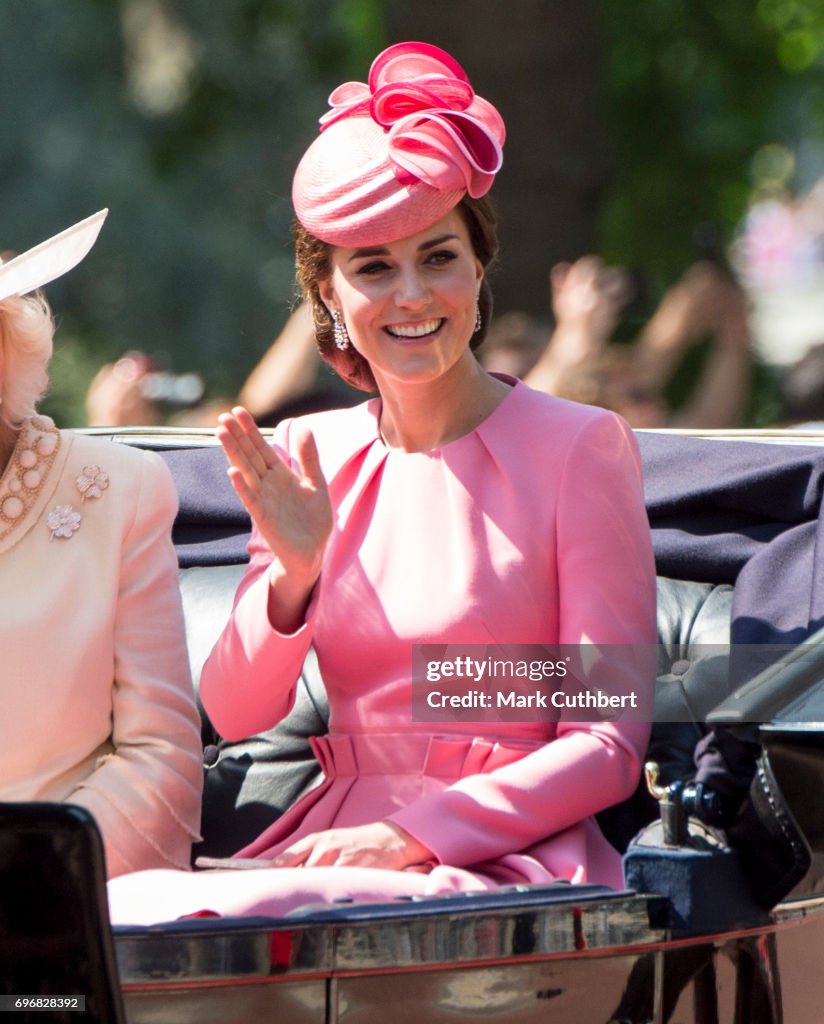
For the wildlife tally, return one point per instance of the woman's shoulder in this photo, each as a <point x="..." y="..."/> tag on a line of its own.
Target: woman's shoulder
<point x="101" y="464"/>
<point x="541" y="407"/>
<point x="339" y="433"/>
<point x="347" y="423"/>
<point x="536" y="418"/>
<point x="94" y="449"/>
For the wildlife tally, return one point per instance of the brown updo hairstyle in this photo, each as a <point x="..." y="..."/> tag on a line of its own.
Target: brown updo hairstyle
<point x="313" y="264"/>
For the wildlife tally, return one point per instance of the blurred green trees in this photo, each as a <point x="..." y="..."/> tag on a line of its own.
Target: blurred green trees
<point x="186" y="118"/>
<point x="695" y="91"/>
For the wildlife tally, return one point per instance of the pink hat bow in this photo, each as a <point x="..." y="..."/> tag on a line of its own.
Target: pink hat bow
<point x="439" y="131"/>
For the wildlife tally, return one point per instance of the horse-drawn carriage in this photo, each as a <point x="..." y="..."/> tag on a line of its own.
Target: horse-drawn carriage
<point x="712" y="926"/>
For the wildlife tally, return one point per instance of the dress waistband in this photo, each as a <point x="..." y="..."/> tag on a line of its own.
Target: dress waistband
<point x="440" y="756"/>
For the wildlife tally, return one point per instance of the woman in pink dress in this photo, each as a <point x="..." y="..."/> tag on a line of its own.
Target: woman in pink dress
<point x="454" y="508"/>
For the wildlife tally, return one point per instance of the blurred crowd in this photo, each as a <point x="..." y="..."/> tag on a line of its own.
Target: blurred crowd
<point x="582" y="362"/>
<point x="689" y="364"/>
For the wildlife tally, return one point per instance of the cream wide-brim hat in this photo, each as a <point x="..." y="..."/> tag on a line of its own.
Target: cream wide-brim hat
<point x="49" y="260"/>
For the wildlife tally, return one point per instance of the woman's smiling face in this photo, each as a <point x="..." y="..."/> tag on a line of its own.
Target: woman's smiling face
<point x="409" y="306"/>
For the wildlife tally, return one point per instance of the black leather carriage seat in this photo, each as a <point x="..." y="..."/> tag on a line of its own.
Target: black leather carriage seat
<point x="249" y="783"/>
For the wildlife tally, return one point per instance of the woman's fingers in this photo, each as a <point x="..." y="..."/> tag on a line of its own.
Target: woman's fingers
<point x="296" y="854"/>
<point x="289" y="504"/>
<point x="250" y="497"/>
<point x="244" y="445"/>
<point x="256" y="443"/>
<point x="309" y="460"/>
<point x="379" y="844"/>
<point x="248" y="451"/>
<point x="238" y="454"/>
<point x="320" y="849"/>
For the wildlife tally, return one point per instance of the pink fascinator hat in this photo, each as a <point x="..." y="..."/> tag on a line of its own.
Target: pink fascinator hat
<point x="397" y="154"/>
<point x="50" y="259"/>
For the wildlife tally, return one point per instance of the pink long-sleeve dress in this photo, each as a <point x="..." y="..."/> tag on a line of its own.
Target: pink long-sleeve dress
<point x="531" y="529"/>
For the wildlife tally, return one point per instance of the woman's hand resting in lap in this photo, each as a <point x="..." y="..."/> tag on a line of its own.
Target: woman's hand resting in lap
<point x="380" y="844"/>
<point x="290" y="508"/>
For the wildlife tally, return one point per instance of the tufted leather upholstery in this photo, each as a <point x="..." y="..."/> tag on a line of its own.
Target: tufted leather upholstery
<point x="251" y="782"/>
<point x="693" y="638"/>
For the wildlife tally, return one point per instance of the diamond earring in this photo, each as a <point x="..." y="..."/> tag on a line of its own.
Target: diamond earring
<point x="478" y="318"/>
<point x="340" y="332"/>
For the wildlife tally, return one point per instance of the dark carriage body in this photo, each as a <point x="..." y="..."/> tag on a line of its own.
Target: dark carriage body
<point x="692" y="938"/>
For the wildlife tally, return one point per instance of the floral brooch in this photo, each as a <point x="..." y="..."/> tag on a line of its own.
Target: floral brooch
<point x="63" y="521"/>
<point x="92" y="482"/>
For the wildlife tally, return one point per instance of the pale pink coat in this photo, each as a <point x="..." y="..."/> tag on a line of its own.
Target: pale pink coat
<point x="530" y="529"/>
<point x="95" y="691"/>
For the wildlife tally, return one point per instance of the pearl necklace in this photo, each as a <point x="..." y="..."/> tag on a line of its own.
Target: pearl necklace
<point x="22" y="480"/>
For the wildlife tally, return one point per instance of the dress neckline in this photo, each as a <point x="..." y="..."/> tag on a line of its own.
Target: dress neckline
<point x="374" y="407"/>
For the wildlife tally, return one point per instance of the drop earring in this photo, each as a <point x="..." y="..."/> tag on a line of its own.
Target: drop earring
<point x="339" y="330"/>
<point x="478" y="318"/>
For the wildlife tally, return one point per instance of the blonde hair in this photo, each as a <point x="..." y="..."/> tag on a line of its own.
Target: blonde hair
<point x="26" y="333"/>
